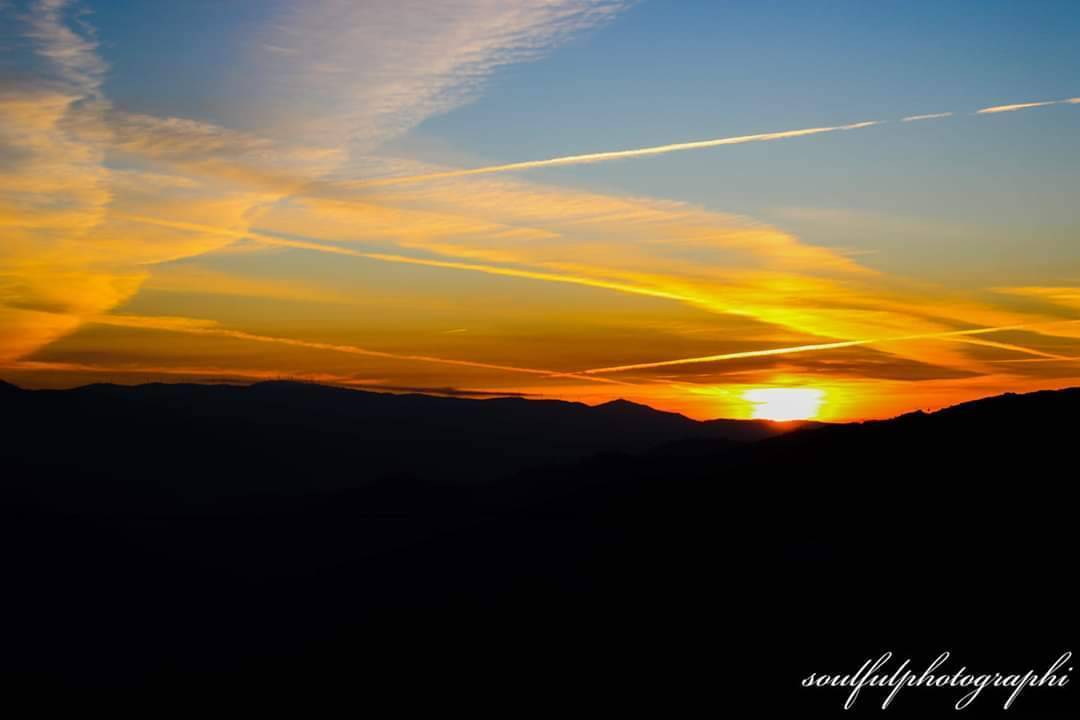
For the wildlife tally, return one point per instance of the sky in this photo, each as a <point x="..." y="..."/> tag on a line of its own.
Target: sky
<point x="781" y="209"/>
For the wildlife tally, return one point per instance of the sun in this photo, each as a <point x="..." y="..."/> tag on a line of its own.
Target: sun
<point x="785" y="403"/>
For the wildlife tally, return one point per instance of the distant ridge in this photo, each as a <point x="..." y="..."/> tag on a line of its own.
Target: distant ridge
<point x="449" y="439"/>
<point x="304" y="392"/>
<point x="757" y="429"/>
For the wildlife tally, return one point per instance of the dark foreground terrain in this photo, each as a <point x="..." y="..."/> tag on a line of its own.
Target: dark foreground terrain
<point x="178" y="543"/>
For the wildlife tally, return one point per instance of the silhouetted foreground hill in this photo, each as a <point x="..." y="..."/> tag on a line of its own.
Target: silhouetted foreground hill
<point x="192" y="541"/>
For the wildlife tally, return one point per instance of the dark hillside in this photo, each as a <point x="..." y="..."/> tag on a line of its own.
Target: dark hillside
<point x="226" y="540"/>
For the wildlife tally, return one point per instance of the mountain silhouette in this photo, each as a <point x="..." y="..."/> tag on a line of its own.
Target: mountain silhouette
<point x="264" y="436"/>
<point x="222" y="540"/>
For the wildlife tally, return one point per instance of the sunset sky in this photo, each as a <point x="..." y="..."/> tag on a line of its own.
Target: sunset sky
<point x="838" y="210"/>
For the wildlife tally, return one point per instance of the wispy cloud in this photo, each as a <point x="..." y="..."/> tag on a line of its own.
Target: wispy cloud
<point x="72" y="53"/>
<point x="190" y="279"/>
<point x="1064" y="296"/>
<point x="371" y="71"/>
<point x="54" y="187"/>
<point x="67" y="243"/>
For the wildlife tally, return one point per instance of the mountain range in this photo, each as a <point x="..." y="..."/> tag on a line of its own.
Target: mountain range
<point x="228" y="539"/>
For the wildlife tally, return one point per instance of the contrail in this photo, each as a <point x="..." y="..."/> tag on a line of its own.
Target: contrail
<point x="587" y="158"/>
<point x="1008" y="346"/>
<point x="1025" y="106"/>
<point x="406" y="260"/>
<point x="333" y="190"/>
<point x="1063" y="358"/>
<point x="807" y="348"/>
<point x="195" y="328"/>
<point x="930" y="116"/>
<point x="209" y="371"/>
<point x="613" y="155"/>
<point x="529" y="274"/>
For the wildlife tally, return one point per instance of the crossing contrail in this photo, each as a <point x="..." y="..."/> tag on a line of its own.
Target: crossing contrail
<point x="813" y="347"/>
<point x="591" y="374"/>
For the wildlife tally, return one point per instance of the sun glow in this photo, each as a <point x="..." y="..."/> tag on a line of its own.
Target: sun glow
<point x="785" y="403"/>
